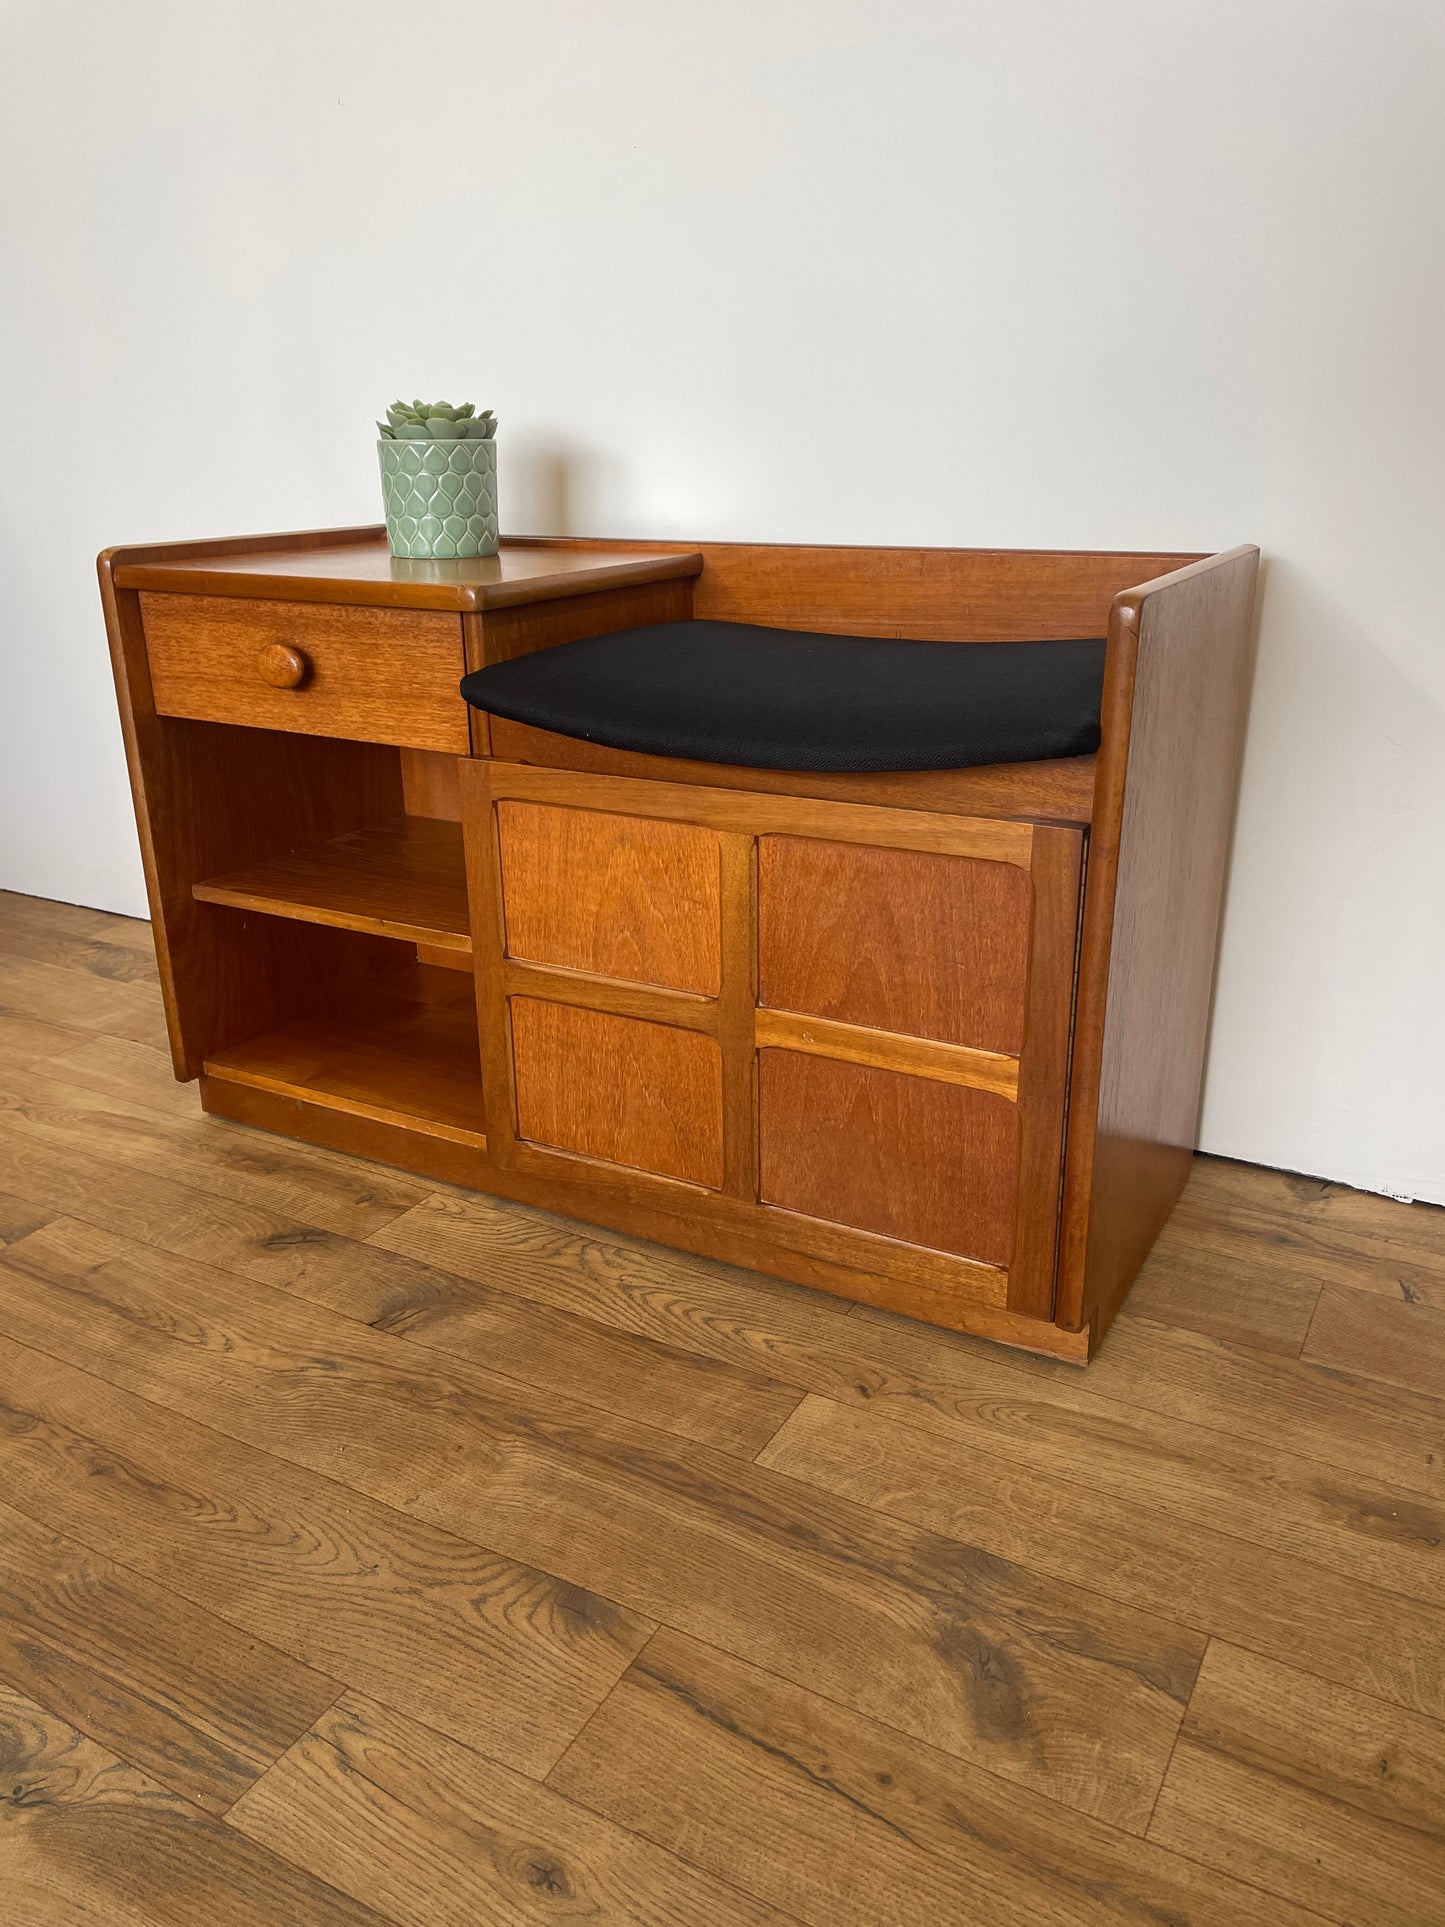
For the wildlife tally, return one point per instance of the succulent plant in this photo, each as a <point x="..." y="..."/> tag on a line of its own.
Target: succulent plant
<point x="436" y="421"/>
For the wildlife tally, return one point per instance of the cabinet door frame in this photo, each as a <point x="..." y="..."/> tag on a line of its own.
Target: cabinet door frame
<point x="1035" y="1080"/>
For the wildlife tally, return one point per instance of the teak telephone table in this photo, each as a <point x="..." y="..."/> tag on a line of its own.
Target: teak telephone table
<point x="928" y="1039"/>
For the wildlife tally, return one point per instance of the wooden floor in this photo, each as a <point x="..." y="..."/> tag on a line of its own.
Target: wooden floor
<point x="372" y="1552"/>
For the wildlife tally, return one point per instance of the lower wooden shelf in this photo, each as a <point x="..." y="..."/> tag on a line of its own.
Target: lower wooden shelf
<point x="403" y="1051"/>
<point x="405" y="878"/>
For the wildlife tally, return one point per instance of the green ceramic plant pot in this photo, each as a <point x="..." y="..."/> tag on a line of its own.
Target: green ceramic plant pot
<point x="441" y="497"/>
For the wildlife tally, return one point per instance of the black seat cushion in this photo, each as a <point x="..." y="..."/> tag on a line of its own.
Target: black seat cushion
<point x="727" y="692"/>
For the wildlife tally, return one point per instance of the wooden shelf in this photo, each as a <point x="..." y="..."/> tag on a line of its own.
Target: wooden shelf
<point x="405" y="878"/>
<point x="404" y="1051"/>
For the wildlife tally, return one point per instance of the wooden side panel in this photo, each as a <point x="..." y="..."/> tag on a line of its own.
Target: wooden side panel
<point x="617" y="896"/>
<point x="931" y="1163"/>
<point x="1175" y="696"/>
<point x="375" y="675"/>
<point x="209" y="799"/>
<point x="604" y="1086"/>
<point x="429" y="785"/>
<point x="896" y="940"/>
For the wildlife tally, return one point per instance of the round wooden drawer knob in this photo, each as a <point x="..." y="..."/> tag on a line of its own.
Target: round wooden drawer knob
<point x="282" y="666"/>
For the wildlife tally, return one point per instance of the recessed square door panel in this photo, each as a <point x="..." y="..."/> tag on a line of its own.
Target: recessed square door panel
<point x="616" y="896"/>
<point x="895" y="940"/>
<point x="931" y="1163"/>
<point x="641" y="1094"/>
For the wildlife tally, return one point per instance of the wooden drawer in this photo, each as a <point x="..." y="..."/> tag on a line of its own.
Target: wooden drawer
<point x="373" y="675"/>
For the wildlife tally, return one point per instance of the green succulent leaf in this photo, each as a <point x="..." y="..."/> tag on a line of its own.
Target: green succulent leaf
<point x="437" y="421"/>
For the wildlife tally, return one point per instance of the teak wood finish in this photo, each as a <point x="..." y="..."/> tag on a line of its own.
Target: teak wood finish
<point x="930" y="1041"/>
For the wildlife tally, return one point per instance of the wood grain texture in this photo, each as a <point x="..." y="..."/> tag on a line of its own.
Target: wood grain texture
<point x="1204" y="1275"/>
<point x="43" y="916"/>
<point x="1339" y="1417"/>
<point x="765" y="814"/>
<point x="932" y="1279"/>
<point x="86" y="1838"/>
<point x="1044" y="1069"/>
<point x="282" y="666"/>
<point x="1383" y="1338"/>
<point x="933" y="1651"/>
<point x="1210" y="1435"/>
<point x="518" y="630"/>
<point x="603" y="1086"/>
<point x="1329" y="1796"/>
<point x="19" y="1217"/>
<point x="1319" y="1495"/>
<point x="840" y="1822"/>
<point x="1324" y="1232"/>
<point x="737" y="1013"/>
<point x="247" y="1228"/>
<point x="945" y="595"/>
<point x="478" y="1645"/>
<point x="353" y="566"/>
<point x="429" y="785"/>
<point x="618" y="896"/>
<point x="683" y="1008"/>
<point x="54" y="1107"/>
<point x="118" y="963"/>
<point x="141" y="1073"/>
<point x="1353" y="1428"/>
<point x="1176" y="687"/>
<point x="373" y="675"/>
<point x="907" y="1157"/>
<point x="955" y="1293"/>
<point x="404" y="1051"/>
<point x="951" y="1063"/>
<point x="435" y="1835"/>
<point x="403" y="879"/>
<point x="894" y="940"/>
<point x="1343" y="1630"/>
<point x="173" y="1690"/>
<point x="49" y="996"/>
<point x="1060" y="792"/>
<point x="966" y="1651"/>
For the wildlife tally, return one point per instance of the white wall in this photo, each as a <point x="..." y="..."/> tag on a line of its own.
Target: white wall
<point x="1137" y="274"/>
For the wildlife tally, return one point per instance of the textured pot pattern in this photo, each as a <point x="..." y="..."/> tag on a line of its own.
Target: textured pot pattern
<point x="441" y="497"/>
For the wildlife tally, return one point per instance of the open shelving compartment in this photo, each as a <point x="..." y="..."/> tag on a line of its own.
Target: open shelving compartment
<point x="399" y="1046"/>
<point x="404" y="878"/>
<point x="402" y="1051"/>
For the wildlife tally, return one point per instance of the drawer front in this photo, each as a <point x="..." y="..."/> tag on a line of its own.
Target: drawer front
<point x="373" y="675"/>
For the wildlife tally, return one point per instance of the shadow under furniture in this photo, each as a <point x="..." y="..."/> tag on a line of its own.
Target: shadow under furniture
<point x="847" y="914"/>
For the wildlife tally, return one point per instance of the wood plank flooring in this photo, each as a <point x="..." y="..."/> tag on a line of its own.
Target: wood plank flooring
<point x="373" y="1552"/>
